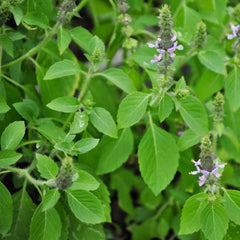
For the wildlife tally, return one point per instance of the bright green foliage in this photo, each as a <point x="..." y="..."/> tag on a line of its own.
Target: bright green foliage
<point x="103" y="121"/>
<point x="85" y="181"/>
<point x="8" y="157"/>
<point x="117" y="119"/>
<point x="114" y="152"/>
<point x="190" y="219"/>
<point x="64" y="104"/>
<point x="85" y="206"/>
<point x="62" y="69"/>
<point x="28" y="109"/>
<point x="158" y="165"/>
<point x="23" y="209"/>
<point x="50" y="199"/>
<point x="45" y="225"/>
<point x="85" y="145"/>
<point x="6" y="209"/>
<point x="232" y="88"/>
<point x="46" y="166"/>
<point x="232" y="205"/>
<point x="214" y="221"/>
<point x="12" y="135"/>
<point x="119" y="78"/>
<point x="194" y="115"/>
<point x="132" y="109"/>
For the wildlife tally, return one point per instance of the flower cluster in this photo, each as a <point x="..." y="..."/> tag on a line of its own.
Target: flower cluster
<point x="207" y="175"/>
<point x="206" y="166"/>
<point x="166" y="43"/>
<point x="124" y="18"/>
<point x="64" y="178"/>
<point x="158" y="58"/>
<point x="236" y="32"/>
<point x="218" y="107"/>
<point x="65" y="11"/>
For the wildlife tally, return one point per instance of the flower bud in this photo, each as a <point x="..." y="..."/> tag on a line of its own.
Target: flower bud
<point x="64" y="179"/>
<point x="122" y="6"/>
<point x="200" y="36"/>
<point x="218" y="110"/>
<point x="182" y="93"/>
<point x="65" y="10"/>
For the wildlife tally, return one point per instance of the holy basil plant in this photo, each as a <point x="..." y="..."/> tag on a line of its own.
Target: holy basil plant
<point x="119" y="120"/>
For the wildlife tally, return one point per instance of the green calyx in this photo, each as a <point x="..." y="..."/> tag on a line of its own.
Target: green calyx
<point x="200" y="36"/>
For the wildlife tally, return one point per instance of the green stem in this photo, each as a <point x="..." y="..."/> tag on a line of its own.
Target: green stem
<point x="13" y="82"/>
<point x="26" y="174"/>
<point x="34" y="50"/>
<point x="1" y="30"/>
<point x="80" y="97"/>
<point x="79" y="7"/>
<point x="29" y="143"/>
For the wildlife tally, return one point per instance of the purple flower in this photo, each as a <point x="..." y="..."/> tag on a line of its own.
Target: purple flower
<point x="157" y="58"/>
<point x="235" y="29"/>
<point x="205" y="173"/>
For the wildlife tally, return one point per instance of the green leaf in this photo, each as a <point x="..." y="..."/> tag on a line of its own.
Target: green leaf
<point x="50" y="199"/>
<point x="114" y="152"/>
<point x="119" y="78"/>
<point x="80" y="122"/>
<point x="6" y="209"/>
<point x="45" y="225"/>
<point x="213" y="81"/>
<point x="232" y="88"/>
<point x="28" y="109"/>
<point x="82" y="37"/>
<point x="62" y="69"/>
<point x="194" y="114"/>
<point x="186" y="18"/>
<point x="157" y="164"/>
<point x="188" y="139"/>
<point x="212" y="61"/>
<point x="132" y="109"/>
<point x="3" y="105"/>
<point x="37" y="18"/>
<point x="85" y="145"/>
<point x="8" y="157"/>
<point x="64" y="40"/>
<point x="50" y="131"/>
<point x="85" y="206"/>
<point x="6" y="44"/>
<point x="103" y="122"/>
<point x="232" y="205"/>
<point x="12" y="135"/>
<point x="84" y="231"/>
<point x="190" y="219"/>
<point x="85" y="181"/>
<point x="64" y="104"/>
<point x="165" y="107"/>
<point x="23" y="208"/>
<point x="17" y="14"/>
<point x="46" y="166"/>
<point x="214" y="221"/>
